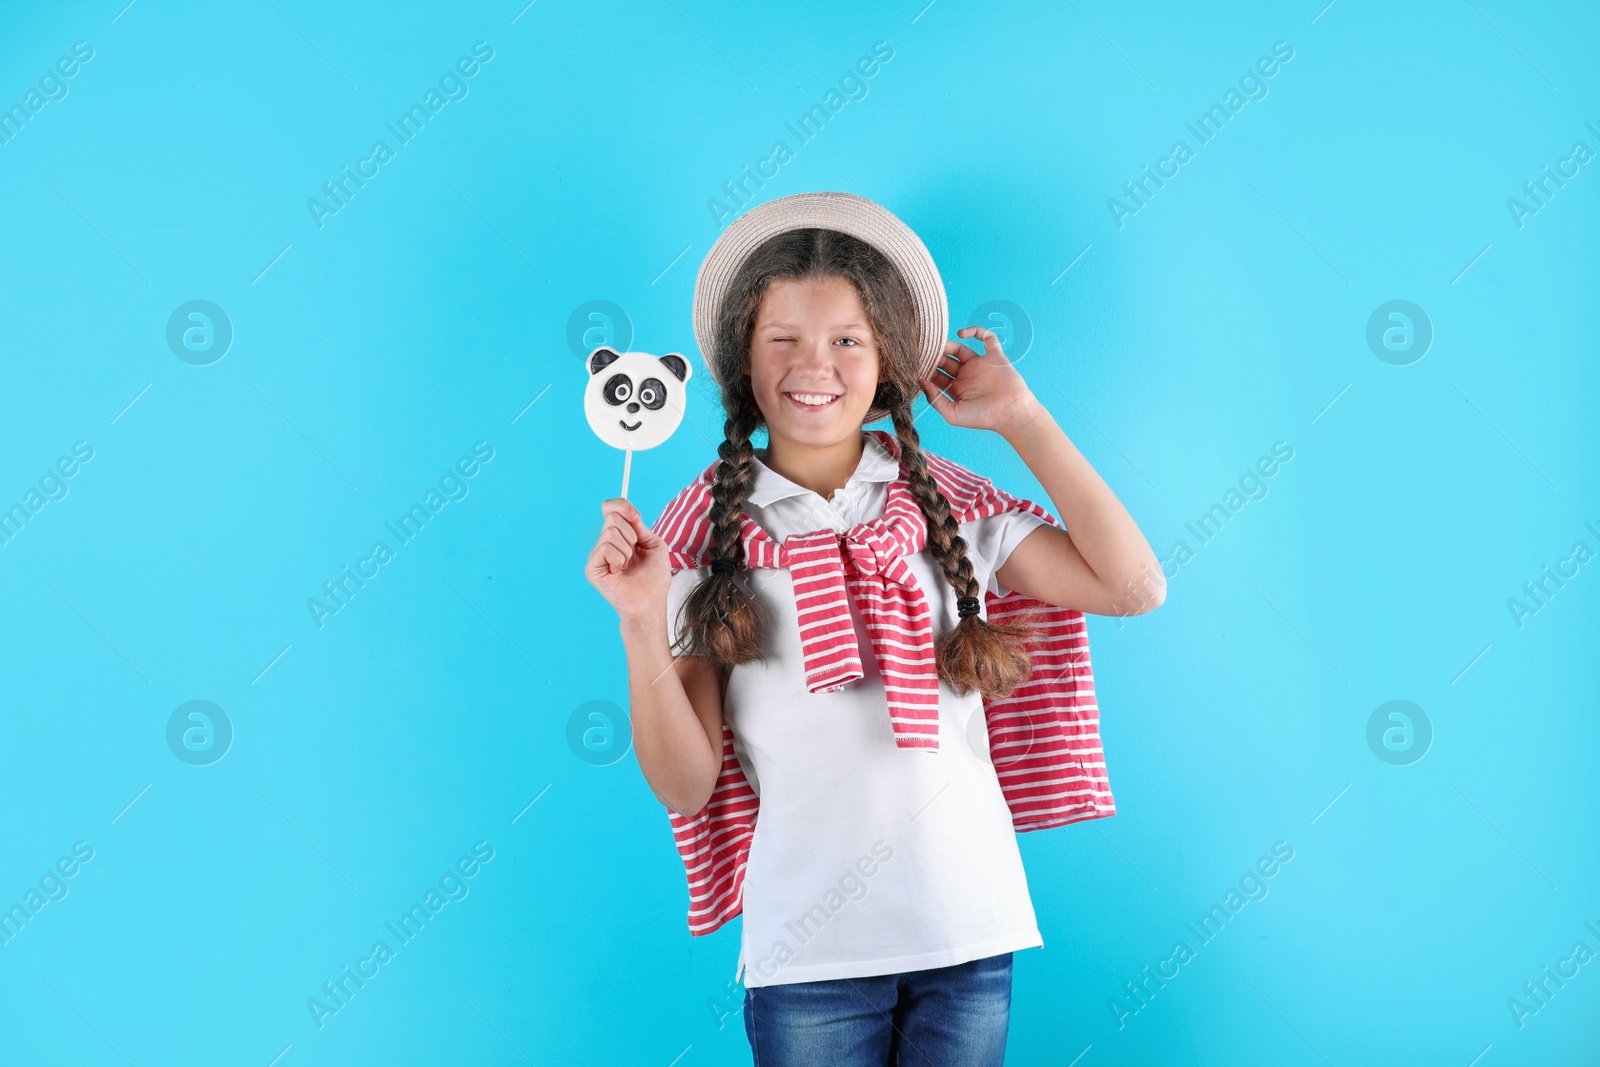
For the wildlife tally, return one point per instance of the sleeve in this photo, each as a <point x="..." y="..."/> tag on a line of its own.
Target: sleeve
<point x="683" y="584"/>
<point x="990" y="542"/>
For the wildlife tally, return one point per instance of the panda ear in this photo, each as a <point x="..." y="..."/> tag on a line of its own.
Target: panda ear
<point x="601" y="358"/>
<point x="677" y="365"/>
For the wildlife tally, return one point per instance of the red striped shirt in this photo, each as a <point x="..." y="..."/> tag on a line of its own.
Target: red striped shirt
<point x="1044" y="738"/>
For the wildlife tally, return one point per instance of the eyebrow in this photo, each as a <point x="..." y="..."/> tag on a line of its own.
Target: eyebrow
<point x="792" y="326"/>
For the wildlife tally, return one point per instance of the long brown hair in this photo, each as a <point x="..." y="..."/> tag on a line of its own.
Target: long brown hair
<point x="721" y="617"/>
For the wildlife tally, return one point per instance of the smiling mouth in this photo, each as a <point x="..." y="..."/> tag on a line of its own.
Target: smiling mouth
<point x="812" y="401"/>
<point x="635" y="426"/>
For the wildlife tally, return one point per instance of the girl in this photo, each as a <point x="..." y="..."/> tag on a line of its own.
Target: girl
<point x="882" y="890"/>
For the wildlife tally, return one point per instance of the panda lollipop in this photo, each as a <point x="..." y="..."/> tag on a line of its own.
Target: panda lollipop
<point x="635" y="400"/>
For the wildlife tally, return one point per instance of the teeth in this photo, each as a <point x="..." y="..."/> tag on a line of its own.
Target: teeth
<point x="814" y="399"/>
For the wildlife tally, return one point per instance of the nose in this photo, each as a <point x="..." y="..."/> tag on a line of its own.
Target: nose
<point x="632" y="408"/>
<point x="815" y="361"/>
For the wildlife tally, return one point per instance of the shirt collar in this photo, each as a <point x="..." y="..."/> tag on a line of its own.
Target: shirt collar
<point x="876" y="465"/>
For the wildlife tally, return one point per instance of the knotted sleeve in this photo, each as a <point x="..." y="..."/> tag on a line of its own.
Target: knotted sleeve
<point x="1045" y="737"/>
<point x="713" y="842"/>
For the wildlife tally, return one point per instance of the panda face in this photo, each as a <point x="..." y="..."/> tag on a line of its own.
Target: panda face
<point x="619" y="391"/>
<point x="635" y="400"/>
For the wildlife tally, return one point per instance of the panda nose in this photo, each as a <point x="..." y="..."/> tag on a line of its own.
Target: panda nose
<point x="632" y="408"/>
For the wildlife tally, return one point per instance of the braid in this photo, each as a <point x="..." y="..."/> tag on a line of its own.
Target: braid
<point x="732" y="485"/>
<point x="976" y="654"/>
<point x="721" y="617"/>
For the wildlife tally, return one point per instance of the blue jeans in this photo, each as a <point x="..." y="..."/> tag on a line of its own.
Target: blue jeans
<point x="953" y="1016"/>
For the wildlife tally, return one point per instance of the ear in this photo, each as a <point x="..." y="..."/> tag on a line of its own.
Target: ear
<point x="677" y="365"/>
<point x="601" y="358"/>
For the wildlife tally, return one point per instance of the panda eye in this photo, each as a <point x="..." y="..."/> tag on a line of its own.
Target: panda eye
<point x="652" y="394"/>
<point x="618" y="389"/>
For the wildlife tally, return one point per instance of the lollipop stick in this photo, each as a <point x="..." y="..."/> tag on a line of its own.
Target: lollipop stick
<point x="627" y="465"/>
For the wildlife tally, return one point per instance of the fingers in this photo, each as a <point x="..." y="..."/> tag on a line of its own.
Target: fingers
<point x="619" y="506"/>
<point x="642" y="532"/>
<point x="616" y="548"/>
<point x="991" y="341"/>
<point x="951" y="363"/>
<point x="625" y="541"/>
<point x="618" y="530"/>
<point x="617" y="538"/>
<point x="621" y="536"/>
<point x="629" y="515"/>
<point x="615" y="544"/>
<point x="607" y="558"/>
<point x="936" y="398"/>
<point x="624" y="517"/>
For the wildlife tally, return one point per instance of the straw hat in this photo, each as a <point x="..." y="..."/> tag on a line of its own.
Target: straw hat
<point x="847" y="213"/>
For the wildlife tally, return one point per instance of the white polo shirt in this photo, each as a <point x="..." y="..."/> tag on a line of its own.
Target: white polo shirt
<point x="866" y="858"/>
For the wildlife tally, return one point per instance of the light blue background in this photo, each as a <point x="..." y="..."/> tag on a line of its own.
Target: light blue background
<point x="1229" y="313"/>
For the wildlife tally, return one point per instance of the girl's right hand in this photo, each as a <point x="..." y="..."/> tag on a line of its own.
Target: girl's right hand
<point x="629" y="564"/>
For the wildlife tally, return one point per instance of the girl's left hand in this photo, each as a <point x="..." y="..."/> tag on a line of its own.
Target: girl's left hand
<point x="986" y="392"/>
